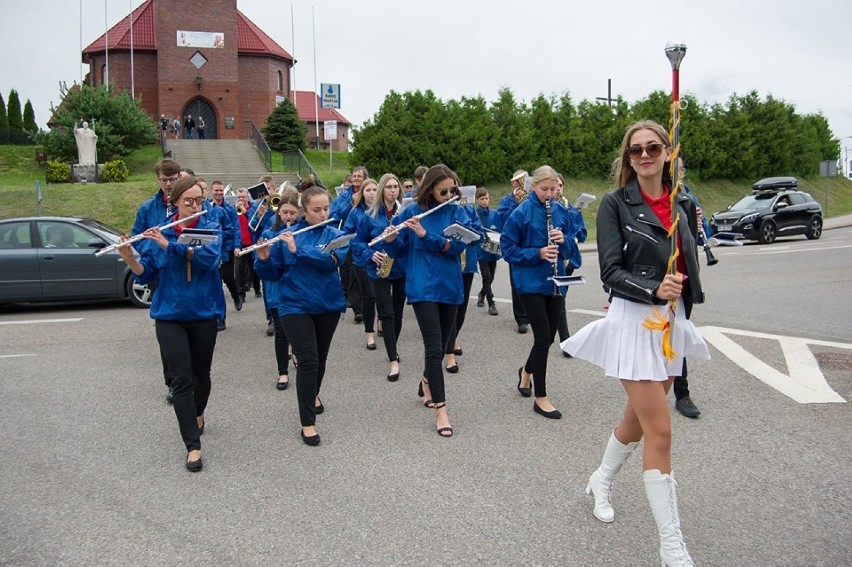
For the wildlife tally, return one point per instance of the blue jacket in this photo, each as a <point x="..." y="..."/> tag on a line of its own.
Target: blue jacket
<point x="368" y="229"/>
<point x="270" y="287"/>
<point x="577" y="216"/>
<point x="431" y="274"/>
<point x="342" y="205"/>
<point x="262" y="225"/>
<point x="708" y="232"/>
<point x="151" y="213"/>
<point x="231" y="237"/>
<point x="522" y="238"/>
<point x="506" y="207"/>
<point x="176" y="299"/>
<point x="308" y="282"/>
<point x="356" y="218"/>
<point x="489" y="219"/>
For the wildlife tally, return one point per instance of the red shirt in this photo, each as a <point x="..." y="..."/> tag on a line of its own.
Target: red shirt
<point x="191" y="224"/>
<point x="662" y="207"/>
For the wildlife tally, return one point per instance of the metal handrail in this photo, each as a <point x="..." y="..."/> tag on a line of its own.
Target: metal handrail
<point x="259" y="142"/>
<point x="295" y="161"/>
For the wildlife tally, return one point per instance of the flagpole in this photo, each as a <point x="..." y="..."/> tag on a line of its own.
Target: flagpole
<point x="293" y="54"/>
<point x="132" y="75"/>
<point x="316" y="98"/>
<point x="106" y="45"/>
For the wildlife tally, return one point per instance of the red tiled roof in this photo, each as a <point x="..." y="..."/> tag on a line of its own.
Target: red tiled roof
<point x="250" y="38"/>
<point x="119" y="34"/>
<point x="307" y="103"/>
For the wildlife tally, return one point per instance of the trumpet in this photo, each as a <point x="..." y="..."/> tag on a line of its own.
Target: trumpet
<point x="241" y="209"/>
<point x="141" y="235"/>
<point x="399" y="227"/>
<point x="278" y="238"/>
<point x="272" y="202"/>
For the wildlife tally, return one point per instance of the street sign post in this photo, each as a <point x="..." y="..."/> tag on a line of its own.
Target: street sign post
<point x="330" y="95"/>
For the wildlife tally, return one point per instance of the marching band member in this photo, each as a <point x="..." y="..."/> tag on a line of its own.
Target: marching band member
<point x="580" y="237"/>
<point x="340" y="209"/>
<point x="389" y="285"/>
<point x="469" y="268"/>
<point x="535" y="239"/>
<point x="244" y="269"/>
<point x="361" y="202"/>
<point x="433" y="283"/>
<point x="489" y="219"/>
<point x="152" y="213"/>
<point x="309" y="299"/>
<point x="186" y="306"/>
<point x="286" y="216"/>
<point x="506" y="207"/>
<point x="634" y="249"/>
<point x="230" y="241"/>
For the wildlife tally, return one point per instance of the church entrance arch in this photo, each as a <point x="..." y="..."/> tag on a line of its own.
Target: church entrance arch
<point x="200" y="107"/>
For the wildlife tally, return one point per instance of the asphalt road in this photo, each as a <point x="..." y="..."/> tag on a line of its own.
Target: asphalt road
<point x="92" y="464"/>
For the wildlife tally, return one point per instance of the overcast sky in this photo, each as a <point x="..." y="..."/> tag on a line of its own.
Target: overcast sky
<point x="795" y="50"/>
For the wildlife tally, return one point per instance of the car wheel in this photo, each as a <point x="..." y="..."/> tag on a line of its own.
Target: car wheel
<point x="814" y="228"/>
<point x="139" y="294"/>
<point x="767" y="233"/>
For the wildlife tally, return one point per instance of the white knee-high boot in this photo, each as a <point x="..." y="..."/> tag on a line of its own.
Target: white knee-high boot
<point x="662" y="496"/>
<point x="600" y="483"/>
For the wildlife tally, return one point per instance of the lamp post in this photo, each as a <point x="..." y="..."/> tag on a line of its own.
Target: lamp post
<point x="845" y="165"/>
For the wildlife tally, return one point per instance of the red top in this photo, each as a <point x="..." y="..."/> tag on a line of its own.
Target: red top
<point x="662" y="207"/>
<point x="191" y="224"/>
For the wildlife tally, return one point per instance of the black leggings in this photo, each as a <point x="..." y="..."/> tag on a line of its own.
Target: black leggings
<point x="487" y="269"/>
<point x="187" y="347"/>
<point x="390" y="303"/>
<point x="310" y="336"/>
<point x="368" y="298"/>
<point x="436" y="322"/>
<point x="226" y="270"/>
<point x="282" y="345"/>
<point x="467" y="279"/>
<point x="543" y="313"/>
<point x="518" y="309"/>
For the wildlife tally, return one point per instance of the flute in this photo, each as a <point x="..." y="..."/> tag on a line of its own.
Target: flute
<point x="399" y="227"/>
<point x="141" y="235"/>
<point x="278" y="238"/>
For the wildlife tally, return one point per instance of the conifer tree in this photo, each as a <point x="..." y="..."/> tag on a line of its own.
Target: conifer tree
<point x="4" y="118"/>
<point x="284" y="130"/>
<point x="29" y="118"/>
<point x="13" y="109"/>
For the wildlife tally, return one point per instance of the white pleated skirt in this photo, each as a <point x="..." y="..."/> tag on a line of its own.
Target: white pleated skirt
<point x="625" y="349"/>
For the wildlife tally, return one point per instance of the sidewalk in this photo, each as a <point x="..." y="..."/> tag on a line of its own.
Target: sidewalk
<point x="841" y="221"/>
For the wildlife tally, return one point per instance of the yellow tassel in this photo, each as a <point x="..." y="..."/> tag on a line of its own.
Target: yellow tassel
<point x="657" y="322"/>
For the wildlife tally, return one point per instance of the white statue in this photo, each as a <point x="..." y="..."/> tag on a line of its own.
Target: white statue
<point x="86" y="145"/>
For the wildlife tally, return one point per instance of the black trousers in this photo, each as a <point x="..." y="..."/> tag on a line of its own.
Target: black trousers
<point x="681" y="384"/>
<point x="467" y="280"/>
<point x="310" y="337"/>
<point x="226" y="270"/>
<point x="518" y="309"/>
<point x="390" y="303"/>
<point x="246" y="278"/>
<point x="564" y="333"/>
<point x="368" y="298"/>
<point x="187" y="347"/>
<point x="351" y="289"/>
<point x="436" y="321"/>
<point x="282" y="345"/>
<point x="543" y="313"/>
<point x="487" y="269"/>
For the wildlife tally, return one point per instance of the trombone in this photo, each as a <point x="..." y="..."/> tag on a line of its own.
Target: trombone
<point x="272" y="201"/>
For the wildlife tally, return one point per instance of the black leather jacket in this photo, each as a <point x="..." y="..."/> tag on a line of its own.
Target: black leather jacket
<point x="633" y="248"/>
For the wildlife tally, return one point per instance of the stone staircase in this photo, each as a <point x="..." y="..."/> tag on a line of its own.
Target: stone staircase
<point x="231" y="161"/>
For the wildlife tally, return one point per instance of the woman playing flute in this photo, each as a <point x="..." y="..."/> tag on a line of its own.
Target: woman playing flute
<point x="309" y="299"/>
<point x="433" y="283"/>
<point x="634" y="248"/>
<point x="186" y="306"/>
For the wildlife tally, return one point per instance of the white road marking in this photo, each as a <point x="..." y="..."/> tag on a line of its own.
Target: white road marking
<point x="806" y="249"/>
<point x="14" y="355"/>
<point x="32" y="321"/>
<point x="804" y="384"/>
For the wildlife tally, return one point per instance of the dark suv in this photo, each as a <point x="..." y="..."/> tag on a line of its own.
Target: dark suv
<point x="774" y="208"/>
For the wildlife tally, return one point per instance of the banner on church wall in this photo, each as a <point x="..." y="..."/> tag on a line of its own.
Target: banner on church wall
<point x="196" y="39"/>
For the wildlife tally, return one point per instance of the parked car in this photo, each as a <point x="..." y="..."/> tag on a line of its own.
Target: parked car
<point x="774" y="208"/>
<point x="46" y="259"/>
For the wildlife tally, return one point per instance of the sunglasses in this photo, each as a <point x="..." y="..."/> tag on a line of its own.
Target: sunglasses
<point x="654" y="150"/>
<point x="453" y="189"/>
<point x="408" y="186"/>
<point x="189" y="201"/>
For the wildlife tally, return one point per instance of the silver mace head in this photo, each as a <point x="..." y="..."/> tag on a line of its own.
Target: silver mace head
<point x="675" y="51"/>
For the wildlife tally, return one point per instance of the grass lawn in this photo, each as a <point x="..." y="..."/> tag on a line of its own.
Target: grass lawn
<point x="116" y="203"/>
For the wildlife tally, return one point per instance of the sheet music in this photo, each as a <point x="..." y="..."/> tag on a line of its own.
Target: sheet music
<point x="565" y="281"/>
<point x="460" y="233"/>
<point x="583" y="200"/>
<point x="336" y="243"/>
<point x="198" y="236"/>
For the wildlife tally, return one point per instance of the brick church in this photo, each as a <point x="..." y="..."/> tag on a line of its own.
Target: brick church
<point x="199" y="57"/>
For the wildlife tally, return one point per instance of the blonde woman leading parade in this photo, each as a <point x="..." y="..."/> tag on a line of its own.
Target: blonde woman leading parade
<point x="634" y="250"/>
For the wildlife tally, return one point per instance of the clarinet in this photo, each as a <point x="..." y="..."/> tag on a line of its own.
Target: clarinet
<point x="549" y="212"/>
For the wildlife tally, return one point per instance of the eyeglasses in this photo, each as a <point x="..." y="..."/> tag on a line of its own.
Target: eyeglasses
<point x="453" y="189"/>
<point x="189" y="201"/>
<point x="168" y="179"/>
<point x="654" y="150"/>
<point x="408" y="186"/>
